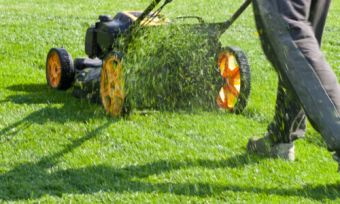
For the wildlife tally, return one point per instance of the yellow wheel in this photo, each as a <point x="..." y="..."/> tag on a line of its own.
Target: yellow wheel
<point x="234" y="69"/>
<point x="112" y="85"/>
<point x="59" y="69"/>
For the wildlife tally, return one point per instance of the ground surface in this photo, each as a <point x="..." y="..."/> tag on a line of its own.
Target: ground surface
<point x="55" y="148"/>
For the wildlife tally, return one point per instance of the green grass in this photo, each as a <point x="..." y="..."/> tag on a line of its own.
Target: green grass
<point x="55" y="148"/>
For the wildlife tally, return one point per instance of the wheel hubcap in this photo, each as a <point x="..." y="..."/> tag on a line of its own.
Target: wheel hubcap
<point x="54" y="70"/>
<point x="112" y="86"/>
<point x="230" y="72"/>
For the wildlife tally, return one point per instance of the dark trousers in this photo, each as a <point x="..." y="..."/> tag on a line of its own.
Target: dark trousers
<point x="306" y="20"/>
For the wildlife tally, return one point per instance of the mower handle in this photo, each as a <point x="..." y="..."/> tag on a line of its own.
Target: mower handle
<point x="235" y="16"/>
<point x="148" y="10"/>
<point x="136" y="24"/>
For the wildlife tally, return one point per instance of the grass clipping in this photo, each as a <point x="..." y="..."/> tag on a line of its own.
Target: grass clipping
<point x="171" y="68"/>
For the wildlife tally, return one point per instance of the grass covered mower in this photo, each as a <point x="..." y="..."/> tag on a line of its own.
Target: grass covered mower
<point x="103" y="77"/>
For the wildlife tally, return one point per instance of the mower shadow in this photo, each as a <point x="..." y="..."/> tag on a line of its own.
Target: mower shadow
<point x="59" y="107"/>
<point x="23" y="180"/>
<point x="38" y="94"/>
<point x="34" y="180"/>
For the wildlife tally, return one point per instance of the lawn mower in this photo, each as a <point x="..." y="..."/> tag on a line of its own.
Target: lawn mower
<point x="99" y="77"/>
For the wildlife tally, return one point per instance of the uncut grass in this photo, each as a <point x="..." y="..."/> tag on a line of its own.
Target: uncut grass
<point x="55" y="148"/>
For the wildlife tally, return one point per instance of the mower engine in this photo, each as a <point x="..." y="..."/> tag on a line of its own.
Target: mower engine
<point x="102" y="37"/>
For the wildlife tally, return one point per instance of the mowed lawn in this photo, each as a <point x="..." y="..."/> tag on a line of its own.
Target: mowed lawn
<point x="56" y="148"/>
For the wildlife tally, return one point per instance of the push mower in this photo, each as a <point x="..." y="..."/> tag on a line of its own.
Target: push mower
<point x="99" y="77"/>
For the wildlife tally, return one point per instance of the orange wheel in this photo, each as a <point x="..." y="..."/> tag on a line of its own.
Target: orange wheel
<point x="54" y="70"/>
<point x="235" y="71"/>
<point x="59" y="69"/>
<point x="112" y="85"/>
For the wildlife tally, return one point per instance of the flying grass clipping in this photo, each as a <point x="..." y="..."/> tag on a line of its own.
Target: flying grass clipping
<point x="171" y="68"/>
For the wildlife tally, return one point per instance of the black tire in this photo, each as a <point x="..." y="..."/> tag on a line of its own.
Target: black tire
<point x="59" y="69"/>
<point x="244" y="77"/>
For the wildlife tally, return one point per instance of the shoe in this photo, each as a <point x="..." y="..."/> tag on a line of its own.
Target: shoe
<point x="264" y="146"/>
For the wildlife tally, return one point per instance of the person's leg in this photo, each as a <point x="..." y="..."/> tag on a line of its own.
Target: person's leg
<point x="289" y="124"/>
<point x="314" y="93"/>
<point x="306" y="36"/>
<point x="317" y="17"/>
<point x="289" y="121"/>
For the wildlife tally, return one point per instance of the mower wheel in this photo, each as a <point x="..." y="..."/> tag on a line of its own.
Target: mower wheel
<point x="235" y="71"/>
<point x="112" y="85"/>
<point x="59" y="69"/>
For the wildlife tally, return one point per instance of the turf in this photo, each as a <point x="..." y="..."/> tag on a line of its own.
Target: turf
<point x="55" y="148"/>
